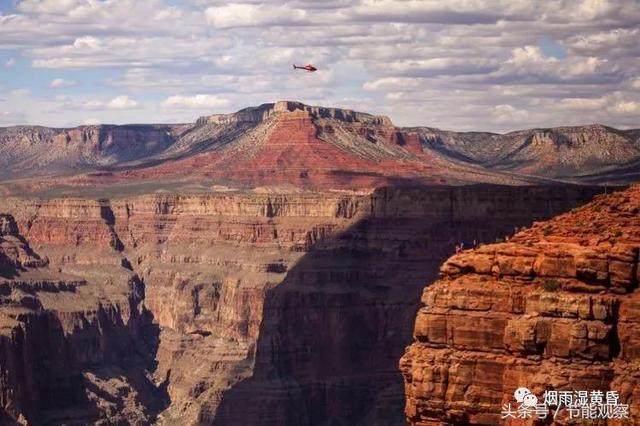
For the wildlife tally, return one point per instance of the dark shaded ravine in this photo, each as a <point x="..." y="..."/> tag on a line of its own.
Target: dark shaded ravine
<point x="289" y="309"/>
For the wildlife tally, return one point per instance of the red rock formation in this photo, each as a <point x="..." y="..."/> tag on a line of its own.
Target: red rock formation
<point x="260" y="146"/>
<point x="71" y="346"/>
<point x="291" y="148"/>
<point x="274" y="144"/>
<point x="231" y="294"/>
<point x="15" y="253"/>
<point x="555" y="308"/>
<point x="580" y="153"/>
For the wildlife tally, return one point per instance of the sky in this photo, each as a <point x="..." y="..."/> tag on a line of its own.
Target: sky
<point x="456" y="64"/>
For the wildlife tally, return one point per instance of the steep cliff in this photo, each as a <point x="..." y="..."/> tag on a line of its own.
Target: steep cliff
<point x="290" y="143"/>
<point x="35" y="151"/>
<point x="73" y="346"/>
<point x="584" y="153"/>
<point x="242" y="307"/>
<point x="554" y="308"/>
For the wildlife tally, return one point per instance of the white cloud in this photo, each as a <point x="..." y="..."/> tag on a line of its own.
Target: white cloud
<point x="128" y="51"/>
<point x="58" y="7"/>
<point x="253" y="15"/>
<point x="460" y="64"/>
<point x="122" y="102"/>
<point x="626" y="107"/>
<point x="10" y="62"/>
<point x="430" y="11"/>
<point x="60" y="83"/>
<point x="529" y="56"/>
<point x="87" y="43"/>
<point x="392" y="83"/>
<point x="10" y="118"/>
<point x="606" y="41"/>
<point x="92" y="121"/>
<point x="169" y="13"/>
<point x="583" y="103"/>
<point x="508" y="114"/>
<point x="196" y="101"/>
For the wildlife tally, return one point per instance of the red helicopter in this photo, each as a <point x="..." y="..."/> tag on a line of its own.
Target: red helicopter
<point x="308" y="67"/>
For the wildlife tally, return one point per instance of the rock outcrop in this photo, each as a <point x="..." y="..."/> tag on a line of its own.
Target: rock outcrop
<point x="15" y="253"/>
<point x="29" y="151"/>
<point x="593" y="153"/>
<point x="290" y="143"/>
<point x="73" y="346"/>
<point x="557" y="307"/>
<point x="264" y="111"/>
<point x="191" y="308"/>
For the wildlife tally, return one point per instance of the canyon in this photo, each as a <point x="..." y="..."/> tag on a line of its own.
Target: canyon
<point x="238" y="307"/>
<point x="266" y="267"/>
<point x="554" y="308"/>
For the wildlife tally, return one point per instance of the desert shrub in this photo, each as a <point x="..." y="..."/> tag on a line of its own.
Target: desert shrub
<point x="551" y="285"/>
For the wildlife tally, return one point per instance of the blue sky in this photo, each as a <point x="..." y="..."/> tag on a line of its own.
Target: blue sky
<point x="460" y="64"/>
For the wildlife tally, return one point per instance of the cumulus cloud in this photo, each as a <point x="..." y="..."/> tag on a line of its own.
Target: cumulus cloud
<point x="53" y="7"/>
<point x="583" y="103"/>
<point x="10" y="118"/>
<point x="196" y="102"/>
<point x="92" y="121"/>
<point x="122" y="102"/>
<point x="61" y="83"/>
<point x="460" y="64"/>
<point x="626" y="108"/>
<point x="253" y="15"/>
<point x="393" y="83"/>
<point x="606" y="42"/>
<point x="508" y="114"/>
<point x="432" y="11"/>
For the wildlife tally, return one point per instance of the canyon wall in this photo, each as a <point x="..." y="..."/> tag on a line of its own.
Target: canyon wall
<point x="557" y="308"/>
<point x="231" y="308"/>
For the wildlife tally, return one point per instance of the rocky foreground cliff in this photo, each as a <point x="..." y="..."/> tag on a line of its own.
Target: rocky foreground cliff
<point x="232" y="308"/>
<point x="557" y="307"/>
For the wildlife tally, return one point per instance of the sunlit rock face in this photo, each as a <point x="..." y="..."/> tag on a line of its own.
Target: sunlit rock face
<point x="557" y="307"/>
<point x="238" y="307"/>
<point x="288" y="143"/>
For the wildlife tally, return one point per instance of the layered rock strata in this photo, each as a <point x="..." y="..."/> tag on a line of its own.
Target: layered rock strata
<point x="285" y="143"/>
<point x="237" y="307"/>
<point x="557" y="307"/>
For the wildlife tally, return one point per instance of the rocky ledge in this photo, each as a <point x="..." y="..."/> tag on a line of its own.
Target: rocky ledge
<point x="264" y="111"/>
<point x="555" y="308"/>
<point x="231" y="308"/>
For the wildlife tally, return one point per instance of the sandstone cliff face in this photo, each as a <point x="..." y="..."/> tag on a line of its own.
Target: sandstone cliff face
<point x="555" y="308"/>
<point x="290" y="143"/>
<point x="307" y="147"/>
<point x="242" y="307"/>
<point x="35" y="151"/>
<point x="264" y="111"/>
<point x="581" y="153"/>
<point x="72" y="346"/>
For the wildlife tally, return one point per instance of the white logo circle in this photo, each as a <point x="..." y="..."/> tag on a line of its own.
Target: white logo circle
<point x="520" y="393"/>
<point x="530" y="400"/>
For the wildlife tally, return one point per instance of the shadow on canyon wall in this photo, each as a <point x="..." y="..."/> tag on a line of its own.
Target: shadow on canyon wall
<point x="125" y="354"/>
<point x="333" y="331"/>
<point x="66" y="366"/>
